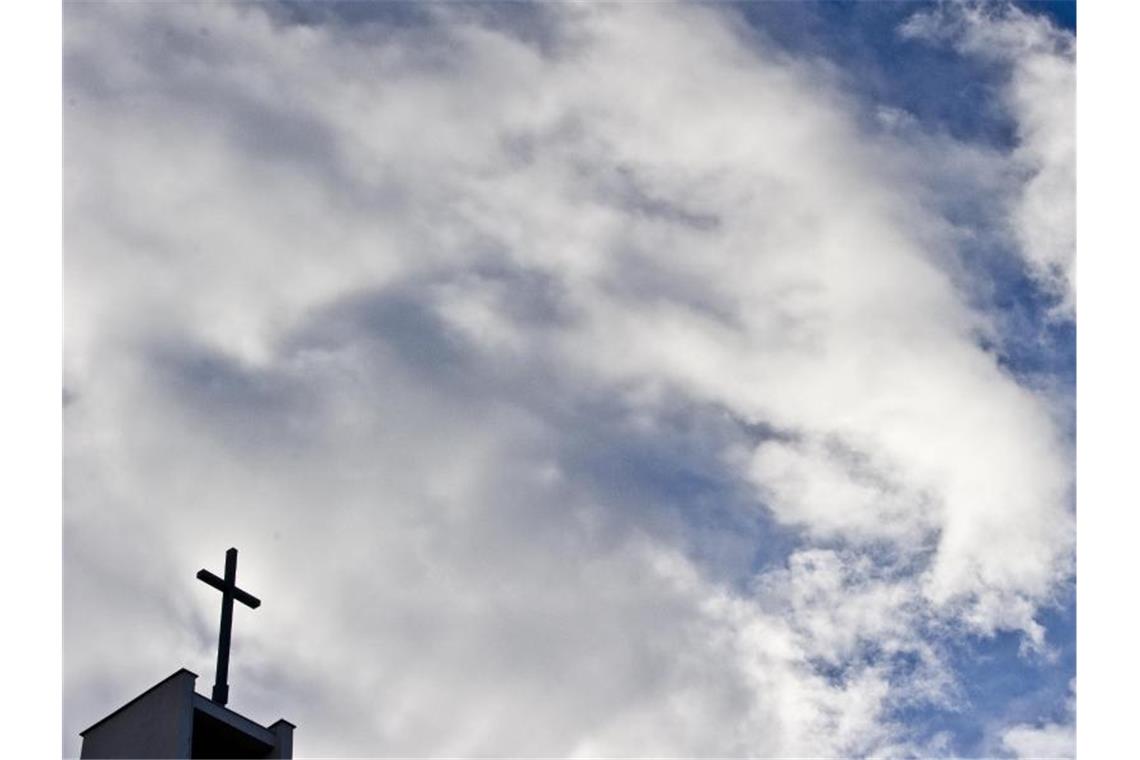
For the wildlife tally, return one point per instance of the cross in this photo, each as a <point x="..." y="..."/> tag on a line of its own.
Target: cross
<point x="230" y="591"/>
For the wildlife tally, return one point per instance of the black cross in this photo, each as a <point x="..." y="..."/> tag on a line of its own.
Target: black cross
<point x="230" y="591"/>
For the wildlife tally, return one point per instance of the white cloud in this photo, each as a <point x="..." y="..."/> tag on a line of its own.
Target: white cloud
<point x="357" y="302"/>
<point x="1040" y="96"/>
<point x="1045" y="739"/>
<point x="1050" y="741"/>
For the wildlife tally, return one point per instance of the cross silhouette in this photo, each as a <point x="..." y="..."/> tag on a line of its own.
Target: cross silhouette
<point x="230" y="591"/>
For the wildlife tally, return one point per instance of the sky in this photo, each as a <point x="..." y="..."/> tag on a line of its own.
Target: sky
<point x="593" y="380"/>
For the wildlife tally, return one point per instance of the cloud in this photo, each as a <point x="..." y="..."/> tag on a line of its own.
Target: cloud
<point x="1040" y="96"/>
<point x="591" y="385"/>
<point x="1047" y="739"/>
<point x="1052" y="740"/>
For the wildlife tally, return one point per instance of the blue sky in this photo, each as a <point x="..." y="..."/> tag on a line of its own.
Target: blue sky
<point x="602" y="380"/>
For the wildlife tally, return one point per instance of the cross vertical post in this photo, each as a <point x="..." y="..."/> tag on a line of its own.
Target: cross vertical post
<point x="230" y="592"/>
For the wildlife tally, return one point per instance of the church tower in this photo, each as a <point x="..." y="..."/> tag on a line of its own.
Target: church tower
<point x="172" y="720"/>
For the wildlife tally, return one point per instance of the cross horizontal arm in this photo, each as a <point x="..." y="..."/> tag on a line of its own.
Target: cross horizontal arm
<point x="249" y="600"/>
<point x="213" y="580"/>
